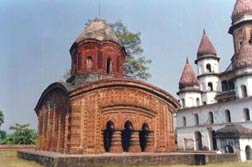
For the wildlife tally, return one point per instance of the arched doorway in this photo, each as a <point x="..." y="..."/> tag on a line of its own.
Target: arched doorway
<point x="214" y="142"/>
<point x="198" y="140"/>
<point x="229" y="149"/>
<point x="126" y="135"/>
<point x="248" y="153"/>
<point x="107" y="136"/>
<point x="143" y="136"/>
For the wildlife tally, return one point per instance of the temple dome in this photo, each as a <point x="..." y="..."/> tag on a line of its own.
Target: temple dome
<point x="99" y="30"/>
<point x="206" y="46"/>
<point x="241" y="8"/>
<point x="244" y="58"/>
<point x="188" y="77"/>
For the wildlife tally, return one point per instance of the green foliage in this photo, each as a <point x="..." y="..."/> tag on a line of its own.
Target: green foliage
<point x="136" y="66"/>
<point x="1" y="118"/>
<point x="2" y="134"/>
<point x="22" y="135"/>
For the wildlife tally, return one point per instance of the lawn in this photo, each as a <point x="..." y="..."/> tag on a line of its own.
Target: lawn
<point x="211" y="165"/>
<point x="9" y="159"/>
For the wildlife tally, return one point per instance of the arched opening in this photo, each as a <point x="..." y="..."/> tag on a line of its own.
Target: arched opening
<point x="184" y="121"/>
<point x="89" y="62"/>
<point x="210" y="117"/>
<point x="224" y="85"/>
<point x="214" y="141"/>
<point x="196" y="119"/>
<point x="198" y="140"/>
<point x="126" y="134"/>
<point x="198" y="101"/>
<point x="248" y="153"/>
<point x="246" y="114"/>
<point x="109" y="65"/>
<point x="183" y="103"/>
<point x="107" y="135"/>
<point x="143" y="136"/>
<point x="208" y="67"/>
<point x="210" y="86"/>
<point x="244" y="91"/>
<point x="229" y="149"/>
<point x="227" y="116"/>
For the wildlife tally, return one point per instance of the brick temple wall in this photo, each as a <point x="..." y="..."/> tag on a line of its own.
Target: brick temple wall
<point x="76" y="123"/>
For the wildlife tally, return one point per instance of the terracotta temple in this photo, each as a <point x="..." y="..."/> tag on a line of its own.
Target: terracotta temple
<point x="97" y="109"/>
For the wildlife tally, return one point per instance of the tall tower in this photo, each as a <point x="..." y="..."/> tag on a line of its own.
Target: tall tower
<point x="96" y="54"/>
<point x="241" y="23"/>
<point x="208" y="70"/>
<point x="241" y="29"/>
<point x="189" y="88"/>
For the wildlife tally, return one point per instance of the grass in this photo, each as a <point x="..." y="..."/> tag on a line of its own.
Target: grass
<point x="9" y="159"/>
<point x="247" y="164"/>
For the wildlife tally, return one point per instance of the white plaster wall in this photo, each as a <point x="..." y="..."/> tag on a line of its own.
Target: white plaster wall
<point x="243" y="143"/>
<point x="190" y="98"/>
<point x="186" y="137"/>
<point x="209" y="97"/>
<point x="235" y="107"/>
<point x="204" y="80"/>
<point x="245" y="80"/>
<point x="202" y="65"/>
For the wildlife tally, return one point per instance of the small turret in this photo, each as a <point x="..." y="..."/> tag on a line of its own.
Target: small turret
<point x="189" y="90"/>
<point x="208" y="70"/>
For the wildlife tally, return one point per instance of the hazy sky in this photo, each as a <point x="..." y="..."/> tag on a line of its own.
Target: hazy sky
<point x="36" y="35"/>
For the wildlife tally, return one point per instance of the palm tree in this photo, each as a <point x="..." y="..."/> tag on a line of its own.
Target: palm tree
<point x="1" y="118"/>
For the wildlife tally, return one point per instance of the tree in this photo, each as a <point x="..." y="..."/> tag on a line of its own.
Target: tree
<point x="2" y="132"/>
<point x="2" y="135"/>
<point x="22" y="135"/>
<point x="1" y="118"/>
<point x="135" y="66"/>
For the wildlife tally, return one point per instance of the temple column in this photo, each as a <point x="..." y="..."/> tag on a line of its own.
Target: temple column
<point x="48" y="134"/>
<point x="43" y="136"/>
<point x="53" y="130"/>
<point x="134" y="142"/>
<point x="39" y="130"/>
<point x="116" y="143"/>
<point x="66" y="132"/>
<point x="150" y="142"/>
<point x="58" y="135"/>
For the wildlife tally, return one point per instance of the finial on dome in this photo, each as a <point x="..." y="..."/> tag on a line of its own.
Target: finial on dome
<point x="204" y="31"/>
<point x="187" y="61"/>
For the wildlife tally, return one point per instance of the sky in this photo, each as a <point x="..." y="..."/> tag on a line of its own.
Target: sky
<point x="36" y="35"/>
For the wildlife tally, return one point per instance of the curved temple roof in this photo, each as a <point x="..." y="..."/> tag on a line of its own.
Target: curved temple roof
<point x="241" y="8"/>
<point x="99" y="30"/>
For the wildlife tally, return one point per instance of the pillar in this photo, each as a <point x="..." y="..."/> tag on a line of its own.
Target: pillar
<point x="53" y="134"/>
<point x="43" y="136"/>
<point x="58" y="135"/>
<point x="150" y="142"/>
<point x="49" y="131"/>
<point x="66" y="132"/>
<point x="116" y="143"/>
<point x="134" y="142"/>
